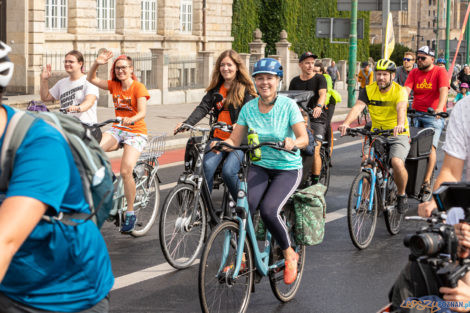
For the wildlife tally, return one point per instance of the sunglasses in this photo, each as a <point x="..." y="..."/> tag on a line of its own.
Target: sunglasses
<point x="408" y="59"/>
<point x="422" y="58"/>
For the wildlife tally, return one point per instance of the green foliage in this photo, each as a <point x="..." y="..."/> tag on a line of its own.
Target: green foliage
<point x="298" y="18"/>
<point x="397" y="54"/>
<point x="244" y="21"/>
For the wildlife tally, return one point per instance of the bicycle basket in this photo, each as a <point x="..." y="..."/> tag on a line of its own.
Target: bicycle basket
<point x="154" y="149"/>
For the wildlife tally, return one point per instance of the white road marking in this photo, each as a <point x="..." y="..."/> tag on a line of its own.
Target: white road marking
<point x="167" y="186"/>
<point x="165" y="268"/>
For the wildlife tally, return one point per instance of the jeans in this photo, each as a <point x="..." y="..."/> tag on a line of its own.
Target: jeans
<point x="430" y="121"/>
<point x="230" y="168"/>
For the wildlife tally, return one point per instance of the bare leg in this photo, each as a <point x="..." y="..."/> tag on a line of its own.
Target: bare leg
<point x="128" y="161"/>
<point x="316" y="165"/>
<point x="400" y="175"/>
<point x="431" y="164"/>
<point x="108" y="143"/>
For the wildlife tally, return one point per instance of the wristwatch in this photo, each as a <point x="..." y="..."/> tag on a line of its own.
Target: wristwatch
<point x="319" y="105"/>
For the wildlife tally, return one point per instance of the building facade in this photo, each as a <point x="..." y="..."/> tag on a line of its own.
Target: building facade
<point x="417" y="26"/>
<point x="36" y="28"/>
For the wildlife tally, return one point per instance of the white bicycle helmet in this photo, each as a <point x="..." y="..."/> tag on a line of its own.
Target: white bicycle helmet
<point x="6" y="66"/>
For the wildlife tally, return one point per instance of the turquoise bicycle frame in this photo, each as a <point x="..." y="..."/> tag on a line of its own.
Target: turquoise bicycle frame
<point x="261" y="259"/>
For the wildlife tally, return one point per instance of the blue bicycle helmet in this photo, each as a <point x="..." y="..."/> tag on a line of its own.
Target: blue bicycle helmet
<point x="441" y="61"/>
<point x="268" y="66"/>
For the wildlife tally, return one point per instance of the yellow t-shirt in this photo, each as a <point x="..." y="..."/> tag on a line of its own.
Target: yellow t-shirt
<point x="383" y="106"/>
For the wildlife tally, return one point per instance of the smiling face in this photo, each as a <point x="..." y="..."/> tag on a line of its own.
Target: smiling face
<point x="123" y="70"/>
<point x="228" y="69"/>
<point x="71" y="64"/>
<point x="267" y="84"/>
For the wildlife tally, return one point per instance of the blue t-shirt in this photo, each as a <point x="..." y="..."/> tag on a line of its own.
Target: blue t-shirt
<point x="274" y="126"/>
<point x="461" y="96"/>
<point x="58" y="267"/>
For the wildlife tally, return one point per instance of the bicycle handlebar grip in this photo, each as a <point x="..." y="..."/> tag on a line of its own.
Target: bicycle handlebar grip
<point x="443" y="114"/>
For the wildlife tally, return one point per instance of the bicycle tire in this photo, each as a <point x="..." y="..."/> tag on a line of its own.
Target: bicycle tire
<point x="214" y="276"/>
<point x="182" y="238"/>
<point x="325" y="170"/>
<point x="283" y="292"/>
<point x="392" y="218"/>
<point x="354" y="228"/>
<point x="147" y="193"/>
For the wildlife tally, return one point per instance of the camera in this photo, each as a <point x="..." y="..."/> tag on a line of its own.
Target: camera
<point x="436" y="245"/>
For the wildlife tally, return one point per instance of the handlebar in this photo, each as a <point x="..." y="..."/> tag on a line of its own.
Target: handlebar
<point x="219" y="125"/>
<point x="365" y="132"/>
<point x="413" y="113"/>
<point x="275" y="145"/>
<point x="117" y="120"/>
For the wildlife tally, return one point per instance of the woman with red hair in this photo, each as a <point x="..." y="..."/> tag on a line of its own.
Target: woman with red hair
<point x="130" y="102"/>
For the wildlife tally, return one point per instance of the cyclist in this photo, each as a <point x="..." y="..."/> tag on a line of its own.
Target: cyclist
<point x="231" y="79"/>
<point x="441" y="62"/>
<point x="316" y="82"/>
<point x="75" y="93"/>
<point x="387" y="102"/>
<point x="365" y="76"/>
<point x="274" y="118"/>
<point x="408" y="64"/>
<point x="464" y="91"/>
<point x="47" y="266"/>
<point x="130" y="102"/>
<point x="464" y="74"/>
<point x="430" y="86"/>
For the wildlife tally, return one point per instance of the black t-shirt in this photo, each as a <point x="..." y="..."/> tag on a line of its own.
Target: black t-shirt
<point x="463" y="77"/>
<point x="314" y="84"/>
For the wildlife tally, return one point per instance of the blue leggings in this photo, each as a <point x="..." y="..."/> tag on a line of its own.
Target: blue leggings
<point x="269" y="190"/>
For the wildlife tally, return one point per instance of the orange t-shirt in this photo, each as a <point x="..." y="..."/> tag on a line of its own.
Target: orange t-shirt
<point x="125" y="103"/>
<point x="224" y="116"/>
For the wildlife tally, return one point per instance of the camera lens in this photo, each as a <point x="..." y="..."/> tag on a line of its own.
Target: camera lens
<point x="426" y="244"/>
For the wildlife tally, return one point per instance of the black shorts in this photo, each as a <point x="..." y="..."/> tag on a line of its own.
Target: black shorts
<point x="318" y="125"/>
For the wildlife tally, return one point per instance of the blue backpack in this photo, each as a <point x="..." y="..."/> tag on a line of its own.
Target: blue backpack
<point x="91" y="161"/>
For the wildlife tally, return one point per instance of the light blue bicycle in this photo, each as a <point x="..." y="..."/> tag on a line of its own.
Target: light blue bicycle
<point x="232" y="261"/>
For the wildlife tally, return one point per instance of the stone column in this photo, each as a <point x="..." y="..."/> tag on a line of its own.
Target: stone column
<point x="160" y="70"/>
<point x="207" y="66"/>
<point x="282" y="50"/>
<point x="127" y="17"/>
<point x="257" y="47"/>
<point x="35" y="44"/>
<point x="105" y="100"/>
<point x="245" y="59"/>
<point x="82" y="17"/>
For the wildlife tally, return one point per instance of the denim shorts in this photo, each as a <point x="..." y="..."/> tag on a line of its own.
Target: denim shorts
<point x="424" y="121"/>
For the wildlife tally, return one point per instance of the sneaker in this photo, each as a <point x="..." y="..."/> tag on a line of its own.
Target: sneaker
<point x="129" y="224"/>
<point x="290" y="270"/>
<point x="426" y="189"/>
<point x="402" y="204"/>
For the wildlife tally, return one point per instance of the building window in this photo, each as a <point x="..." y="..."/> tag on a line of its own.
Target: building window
<point x="148" y="15"/>
<point x="106" y="14"/>
<point x="56" y="14"/>
<point x="186" y="16"/>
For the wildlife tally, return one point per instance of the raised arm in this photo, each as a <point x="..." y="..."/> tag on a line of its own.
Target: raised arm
<point x="102" y="59"/>
<point x="44" y="84"/>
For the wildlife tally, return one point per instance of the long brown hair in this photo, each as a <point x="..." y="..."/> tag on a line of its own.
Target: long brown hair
<point x="131" y="64"/>
<point x="242" y="80"/>
<point x="79" y="56"/>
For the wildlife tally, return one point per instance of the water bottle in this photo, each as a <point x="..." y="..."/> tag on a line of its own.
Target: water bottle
<point x="253" y="140"/>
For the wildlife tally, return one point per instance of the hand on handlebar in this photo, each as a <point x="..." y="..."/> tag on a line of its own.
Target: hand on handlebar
<point x="73" y="108"/>
<point x="398" y="130"/>
<point x="289" y="144"/>
<point x="317" y="112"/>
<point x="343" y="129"/>
<point x="127" y="121"/>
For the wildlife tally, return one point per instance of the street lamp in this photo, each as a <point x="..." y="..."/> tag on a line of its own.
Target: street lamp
<point x="418" y="38"/>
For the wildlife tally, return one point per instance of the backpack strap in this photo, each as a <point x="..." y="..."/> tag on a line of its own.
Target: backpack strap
<point x="14" y="135"/>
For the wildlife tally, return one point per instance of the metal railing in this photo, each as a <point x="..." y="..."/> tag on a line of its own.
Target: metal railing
<point x="142" y="65"/>
<point x="185" y="73"/>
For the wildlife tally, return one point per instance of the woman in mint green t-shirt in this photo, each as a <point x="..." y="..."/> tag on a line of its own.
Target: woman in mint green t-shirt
<point x="273" y="179"/>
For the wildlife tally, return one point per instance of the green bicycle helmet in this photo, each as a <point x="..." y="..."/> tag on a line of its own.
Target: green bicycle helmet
<point x="385" y="65"/>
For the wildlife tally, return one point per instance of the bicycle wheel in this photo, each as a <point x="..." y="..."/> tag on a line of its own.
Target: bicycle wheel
<point x="283" y="292"/>
<point x="361" y="221"/>
<point x="182" y="226"/>
<point x="325" y="170"/>
<point x="147" y="198"/>
<point x="392" y="217"/>
<point x="219" y="291"/>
